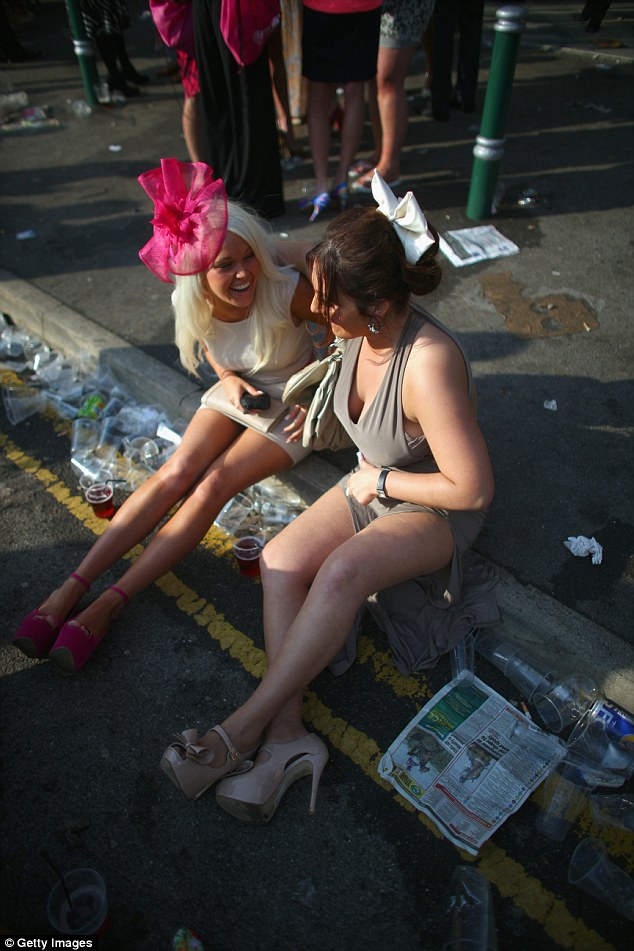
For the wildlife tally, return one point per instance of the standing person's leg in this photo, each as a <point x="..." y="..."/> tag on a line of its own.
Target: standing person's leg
<point x="277" y="68"/>
<point x="320" y="99"/>
<point x="444" y="28"/>
<point x="470" y="17"/>
<point x="238" y="117"/>
<point x="351" y="132"/>
<point x="246" y="460"/>
<point x="192" y="127"/>
<point x="392" y="68"/>
<point x="127" y="69"/>
<point x="106" y="44"/>
<point x="191" y="117"/>
<point x="427" y="42"/>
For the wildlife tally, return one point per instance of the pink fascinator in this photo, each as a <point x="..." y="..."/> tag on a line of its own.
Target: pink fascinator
<point x="190" y="218"/>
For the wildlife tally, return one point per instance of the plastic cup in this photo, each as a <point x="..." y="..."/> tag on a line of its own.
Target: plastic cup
<point x="234" y="514"/>
<point x="101" y="497"/>
<point x="141" y="450"/>
<point x="89" y="912"/>
<point x="565" y="701"/>
<point x="472" y="924"/>
<point x="94" y="468"/>
<point x="591" y="741"/>
<point x="247" y="550"/>
<point x="83" y="435"/>
<point x="563" y="801"/>
<point x="592" y="871"/>
<point x="462" y="657"/>
<point x="20" y="402"/>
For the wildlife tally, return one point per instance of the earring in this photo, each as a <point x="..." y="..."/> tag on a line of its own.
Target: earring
<point x="375" y="326"/>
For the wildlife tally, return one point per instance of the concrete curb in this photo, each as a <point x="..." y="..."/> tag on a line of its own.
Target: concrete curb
<point x="547" y="629"/>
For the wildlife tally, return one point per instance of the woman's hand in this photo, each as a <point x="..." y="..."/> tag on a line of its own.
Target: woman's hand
<point x="234" y="386"/>
<point x="362" y="483"/>
<point x="295" y="419"/>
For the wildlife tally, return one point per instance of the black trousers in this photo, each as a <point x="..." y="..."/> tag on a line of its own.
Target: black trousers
<point x="240" y="139"/>
<point x="463" y="17"/>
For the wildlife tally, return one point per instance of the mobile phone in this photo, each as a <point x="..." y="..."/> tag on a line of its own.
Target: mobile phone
<point x="260" y="401"/>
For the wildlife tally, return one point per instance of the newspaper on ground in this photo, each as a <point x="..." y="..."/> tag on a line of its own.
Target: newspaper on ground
<point x="470" y="245"/>
<point x="469" y="759"/>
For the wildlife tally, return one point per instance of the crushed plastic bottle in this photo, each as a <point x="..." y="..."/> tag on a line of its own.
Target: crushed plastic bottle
<point x="79" y="108"/>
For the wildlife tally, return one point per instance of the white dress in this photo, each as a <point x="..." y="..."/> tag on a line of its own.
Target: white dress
<point x="232" y="348"/>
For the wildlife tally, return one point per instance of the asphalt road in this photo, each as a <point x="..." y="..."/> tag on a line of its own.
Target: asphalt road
<point x="568" y="147"/>
<point x="81" y="778"/>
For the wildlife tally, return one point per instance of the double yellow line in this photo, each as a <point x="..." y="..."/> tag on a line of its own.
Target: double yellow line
<point x="507" y="875"/>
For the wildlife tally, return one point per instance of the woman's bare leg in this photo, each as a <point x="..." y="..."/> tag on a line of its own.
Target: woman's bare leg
<point x="375" y="120"/>
<point x="352" y="129"/>
<point x="392" y="67"/>
<point x="192" y="127"/>
<point x="206" y="437"/>
<point x="247" y="459"/>
<point x="320" y="100"/>
<point x="418" y="543"/>
<point x="288" y="568"/>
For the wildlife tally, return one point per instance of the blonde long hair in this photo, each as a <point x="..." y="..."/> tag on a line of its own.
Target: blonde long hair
<point x="193" y="311"/>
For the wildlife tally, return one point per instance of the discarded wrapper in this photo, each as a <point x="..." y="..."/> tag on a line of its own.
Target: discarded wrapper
<point x="186" y="940"/>
<point x="581" y="546"/>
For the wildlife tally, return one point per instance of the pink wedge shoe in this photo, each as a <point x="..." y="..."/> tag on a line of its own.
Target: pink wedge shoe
<point x="254" y="796"/>
<point x="76" y="643"/>
<point x="35" y="634"/>
<point x="191" y="767"/>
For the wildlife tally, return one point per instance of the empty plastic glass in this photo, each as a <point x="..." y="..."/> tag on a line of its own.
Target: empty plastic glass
<point x="528" y="675"/>
<point x="565" y="701"/>
<point x="592" y="871"/>
<point x="472" y="926"/>
<point x="564" y="797"/>
<point x="20" y="402"/>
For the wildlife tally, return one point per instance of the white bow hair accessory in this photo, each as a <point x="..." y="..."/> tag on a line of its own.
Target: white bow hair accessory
<point x="408" y="220"/>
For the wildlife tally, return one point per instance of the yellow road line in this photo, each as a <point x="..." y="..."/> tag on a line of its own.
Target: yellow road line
<point x="508" y="876"/>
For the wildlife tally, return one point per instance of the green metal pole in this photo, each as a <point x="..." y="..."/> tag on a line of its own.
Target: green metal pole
<point x="489" y="146"/>
<point x="84" y="52"/>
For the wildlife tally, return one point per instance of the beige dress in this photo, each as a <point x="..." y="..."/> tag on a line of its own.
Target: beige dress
<point x="232" y="348"/>
<point x="426" y="616"/>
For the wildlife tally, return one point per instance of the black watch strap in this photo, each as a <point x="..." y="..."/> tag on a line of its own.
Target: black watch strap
<point x="380" y="484"/>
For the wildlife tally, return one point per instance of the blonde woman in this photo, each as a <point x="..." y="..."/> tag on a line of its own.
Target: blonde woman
<point x="237" y="308"/>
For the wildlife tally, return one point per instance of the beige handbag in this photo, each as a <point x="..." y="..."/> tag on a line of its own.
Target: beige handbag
<point x="314" y="386"/>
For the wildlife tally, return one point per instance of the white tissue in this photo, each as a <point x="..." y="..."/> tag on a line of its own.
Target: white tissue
<point x="581" y="546"/>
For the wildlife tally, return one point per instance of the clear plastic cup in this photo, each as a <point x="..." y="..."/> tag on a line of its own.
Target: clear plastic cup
<point x="141" y="451"/>
<point x="87" y="913"/>
<point x="563" y="802"/>
<point x="528" y="674"/>
<point x="463" y="657"/>
<point x="247" y="550"/>
<point x="101" y="497"/>
<point x="84" y="434"/>
<point x="234" y="514"/>
<point x="20" y="402"/>
<point x="592" y="871"/>
<point x="472" y="923"/>
<point x="565" y="701"/>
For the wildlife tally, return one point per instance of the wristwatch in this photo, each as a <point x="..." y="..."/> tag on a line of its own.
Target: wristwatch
<point x="380" y="484"/>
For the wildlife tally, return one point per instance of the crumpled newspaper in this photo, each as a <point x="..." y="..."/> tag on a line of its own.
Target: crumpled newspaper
<point x="582" y="546"/>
